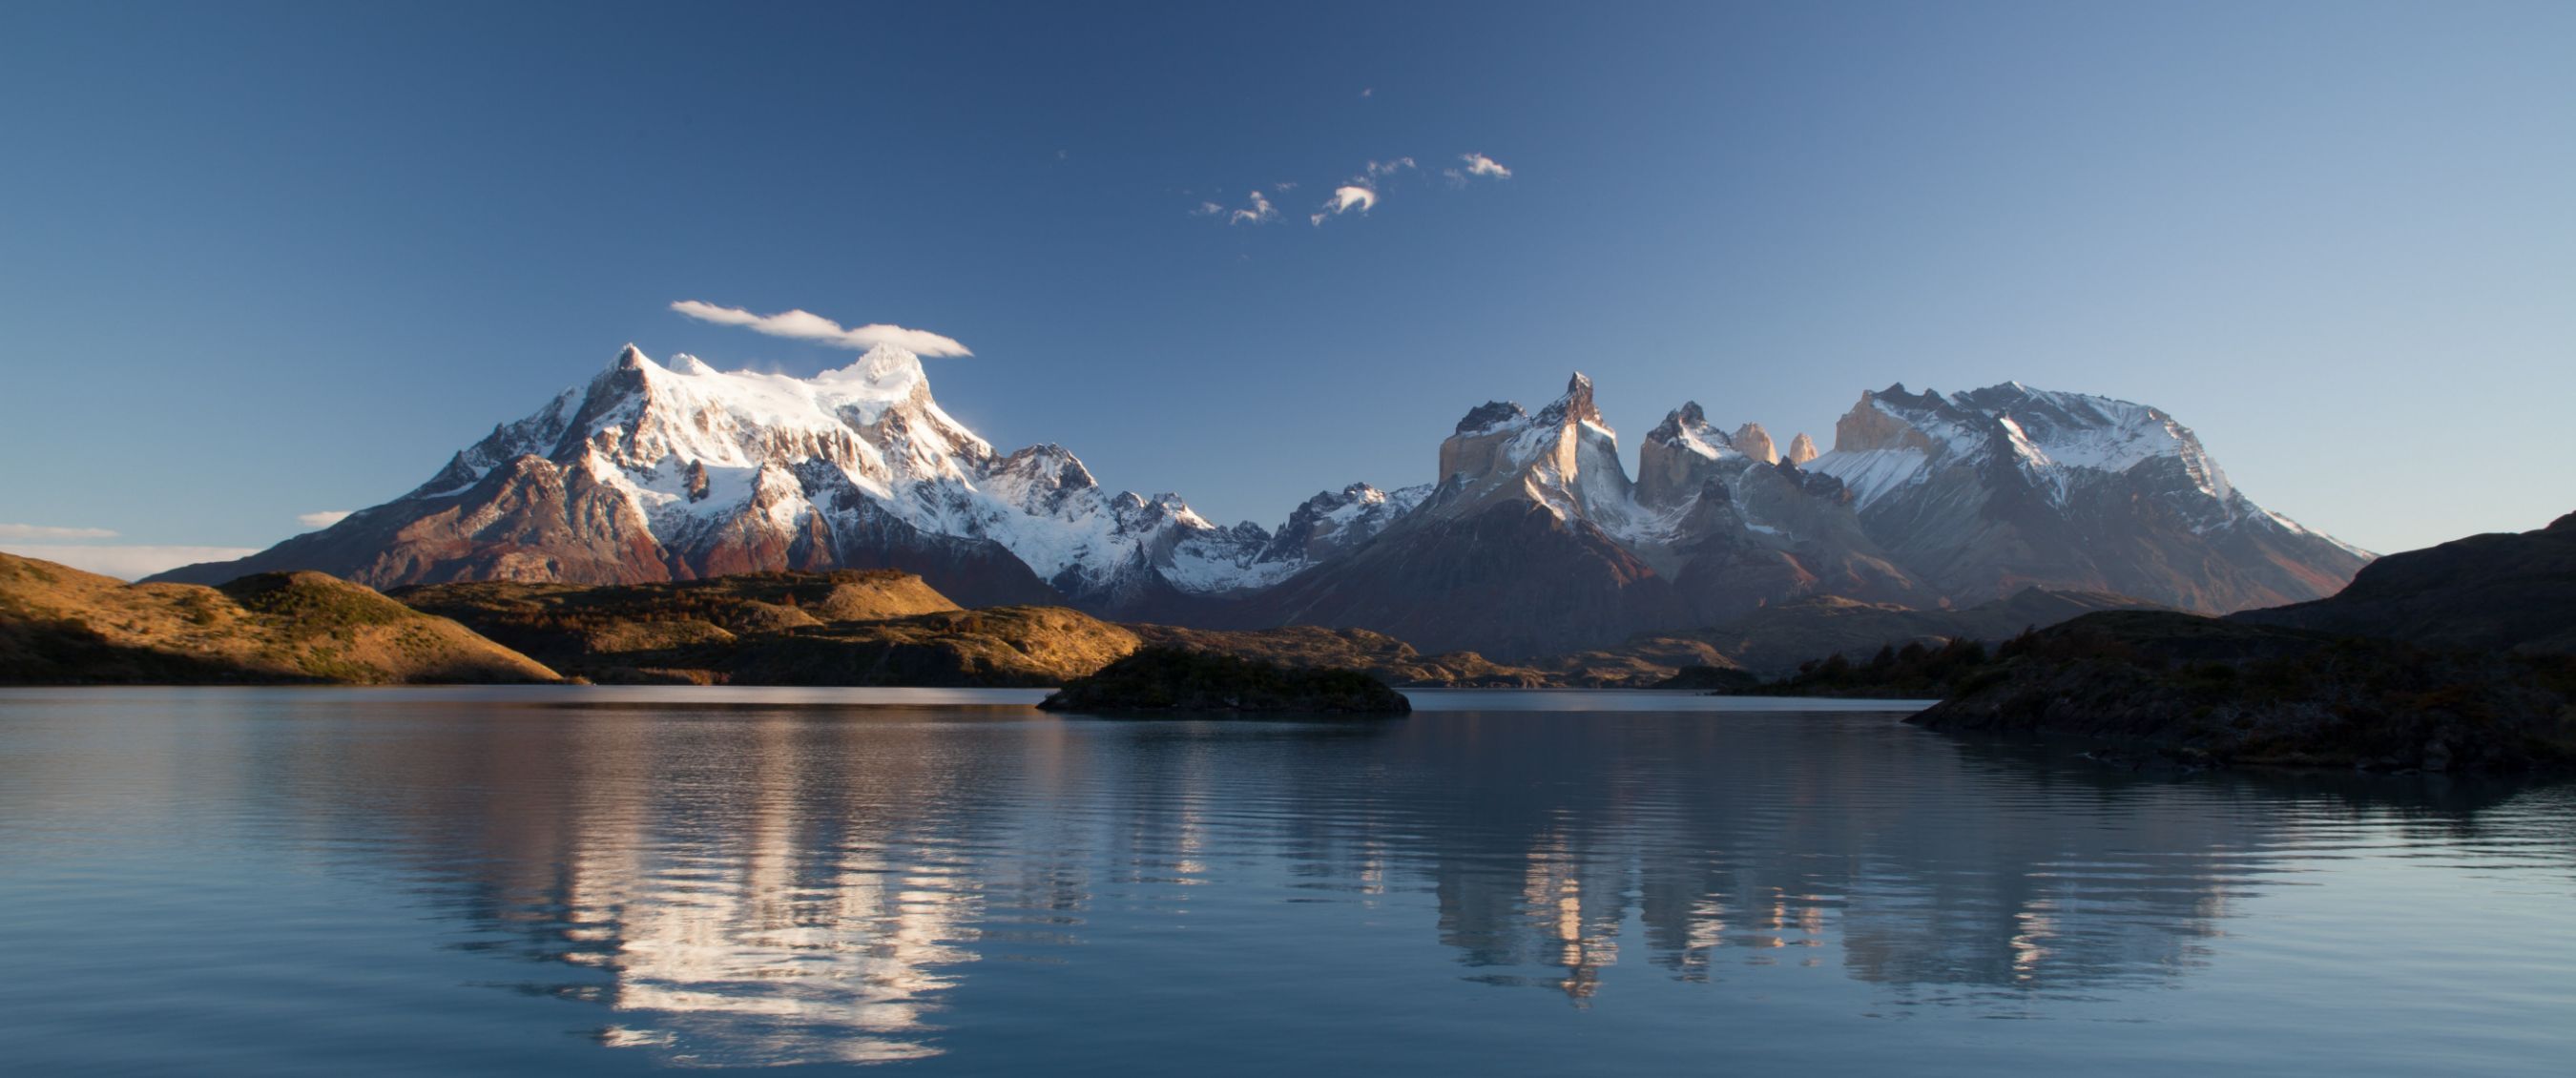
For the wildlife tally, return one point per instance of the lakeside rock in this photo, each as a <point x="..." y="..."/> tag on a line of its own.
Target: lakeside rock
<point x="2206" y="691"/>
<point x="1167" y="679"/>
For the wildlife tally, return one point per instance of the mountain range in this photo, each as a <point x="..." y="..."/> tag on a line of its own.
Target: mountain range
<point x="1531" y="538"/>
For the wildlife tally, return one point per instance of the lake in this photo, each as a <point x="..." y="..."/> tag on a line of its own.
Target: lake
<point x="593" y="880"/>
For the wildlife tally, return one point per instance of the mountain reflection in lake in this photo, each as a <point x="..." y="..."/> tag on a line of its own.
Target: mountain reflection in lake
<point x="547" y="881"/>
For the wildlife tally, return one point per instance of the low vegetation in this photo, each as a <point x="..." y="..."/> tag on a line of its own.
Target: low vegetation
<point x="59" y="625"/>
<point x="1377" y="654"/>
<point x="1166" y="679"/>
<point x="848" y="627"/>
<point x="2201" y="690"/>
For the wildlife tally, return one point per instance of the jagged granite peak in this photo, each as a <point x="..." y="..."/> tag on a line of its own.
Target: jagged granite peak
<point x="1755" y="442"/>
<point x="1681" y="455"/>
<point x="1802" y="449"/>
<point x="1538" y="514"/>
<point x="1574" y="407"/>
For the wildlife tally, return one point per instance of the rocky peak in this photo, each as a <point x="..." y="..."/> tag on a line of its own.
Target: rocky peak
<point x="1802" y="449"/>
<point x="1489" y="415"/>
<point x="1574" y="407"/>
<point x="1046" y="467"/>
<point x="1755" y="442"/>
<point x="1894" y="419"/>
<point x="1688" y="417"/>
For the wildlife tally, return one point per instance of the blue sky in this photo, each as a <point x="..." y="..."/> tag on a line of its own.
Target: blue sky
<point x="260" y="261"/>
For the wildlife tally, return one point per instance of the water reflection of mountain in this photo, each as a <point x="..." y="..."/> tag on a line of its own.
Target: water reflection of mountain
<point x="810" y="885"/>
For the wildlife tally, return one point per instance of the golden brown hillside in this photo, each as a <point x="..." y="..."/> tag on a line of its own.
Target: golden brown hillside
<point x="846" y="627"/>
<point x="59" y="625"/>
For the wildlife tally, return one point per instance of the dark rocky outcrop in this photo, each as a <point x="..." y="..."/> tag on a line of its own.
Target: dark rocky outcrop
<point x="1376" y="654"/>
<point x="2203" y="690"/>
<point x="1163" y="679"/>
<point x="1717" y="680"/>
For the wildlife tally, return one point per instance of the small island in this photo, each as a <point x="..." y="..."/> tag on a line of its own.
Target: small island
<point x="1164" y="679"/>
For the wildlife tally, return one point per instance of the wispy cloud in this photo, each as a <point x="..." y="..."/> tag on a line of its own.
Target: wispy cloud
<point x="1260" y="212"/>
<point x="1361" y="192"/>
<point x="123" y="561"/>
<point x="1348" y="197"/>
<point x="323" y="519"/>
<point x="808" y="326"/>
<point x="44" y="532"/>
<point x="1477" y="165"/>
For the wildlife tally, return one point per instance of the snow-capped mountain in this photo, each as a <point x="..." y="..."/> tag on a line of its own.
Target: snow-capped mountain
<point x="1531" y="538"/>
<point x="656" y="472"/>
<point x="1536" y="540"/>
<point x="1984" y="492"/>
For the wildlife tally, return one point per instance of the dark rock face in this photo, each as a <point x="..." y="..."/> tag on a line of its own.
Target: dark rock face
<point x="1511" y="581"/>
<point x="2502" y="592"/>
<point x="2221" y="692"/>
<point x="1179" y="680"/>
<point x="1488" y="415"/>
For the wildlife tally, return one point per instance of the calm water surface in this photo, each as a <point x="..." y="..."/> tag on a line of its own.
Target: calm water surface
<point x="605" y="880"/>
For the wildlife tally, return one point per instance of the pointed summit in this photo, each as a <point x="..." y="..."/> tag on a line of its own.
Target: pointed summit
<point x="630" y="358"/>
<point x="1575" y="406"/>
<point x="1801" y="449"/>
<point x="1755" y="442"/>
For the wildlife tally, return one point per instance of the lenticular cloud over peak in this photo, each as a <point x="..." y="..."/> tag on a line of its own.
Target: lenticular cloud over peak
<point x="807" y="326"/>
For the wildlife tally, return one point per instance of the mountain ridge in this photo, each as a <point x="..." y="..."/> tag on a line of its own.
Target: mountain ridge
<point x="1532" y="538"/>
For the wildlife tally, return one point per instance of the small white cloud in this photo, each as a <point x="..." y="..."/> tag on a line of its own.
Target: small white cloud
<point x="127" y="562"/>
<point x="41" y="531"/>
<point x="1368" y="91"/>
<point x="1389" y="168"/>
<point x="1261" y="212"/>
<point x="808" y="326"/>
<point x="1345" y="199"/>
<point x="1284" y="186"/>
<point x="1207" y="209"/>
<point x="1481" y="165"/>
<point x="327" y="517"/>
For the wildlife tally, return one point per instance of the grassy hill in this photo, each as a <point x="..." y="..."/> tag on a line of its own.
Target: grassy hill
<point x="59" y="625"/>
<point x="848" y="627"/>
